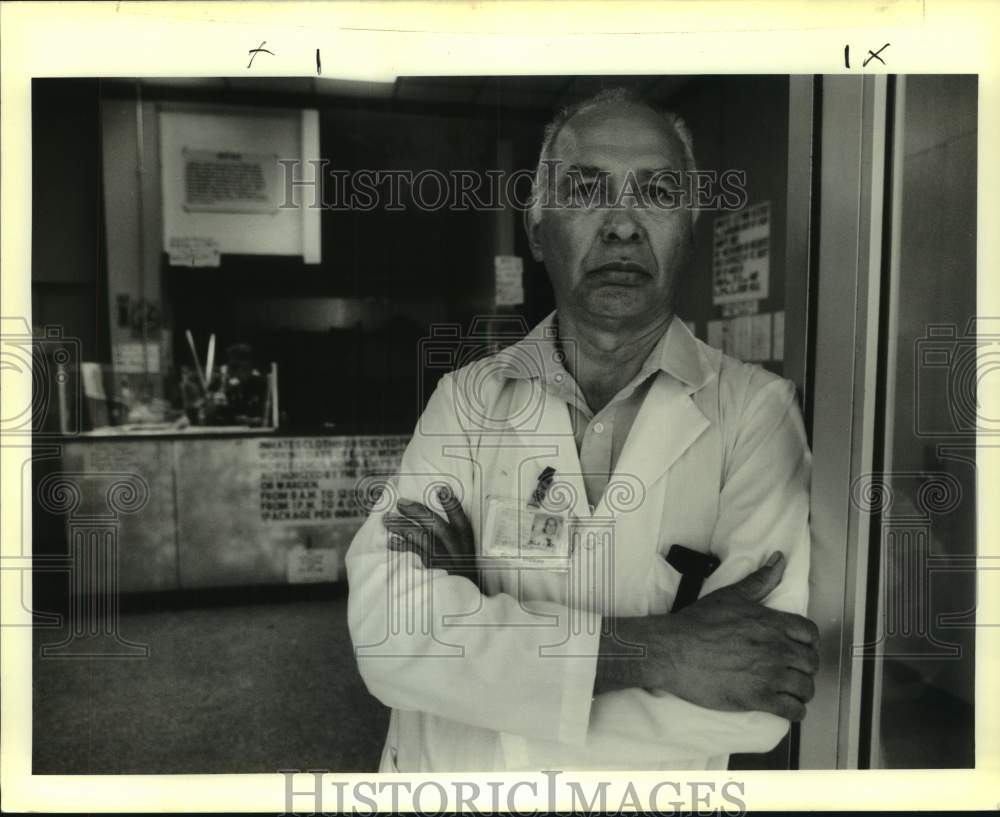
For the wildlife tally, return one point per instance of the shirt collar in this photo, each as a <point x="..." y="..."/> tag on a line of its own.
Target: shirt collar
<point x="677" y="353"/>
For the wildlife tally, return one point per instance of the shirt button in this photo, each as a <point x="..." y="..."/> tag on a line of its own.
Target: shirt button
<point x="598" y="428"/>
<point x="558" y="378"/>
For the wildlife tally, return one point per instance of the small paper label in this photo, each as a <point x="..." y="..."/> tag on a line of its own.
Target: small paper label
<point x="760" y="337"/>
<point x="194" y="251"/>
<point x="306" y="565"/>
<point x="129" y="358"/>
<point x="778" y="352"/>
<point x="738" y="308"/>
<point x="93" y="382"/>
<point x="509" y="272"/>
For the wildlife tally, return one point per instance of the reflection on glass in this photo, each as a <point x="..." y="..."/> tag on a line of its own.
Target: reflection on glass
<point x="924" y="672"/>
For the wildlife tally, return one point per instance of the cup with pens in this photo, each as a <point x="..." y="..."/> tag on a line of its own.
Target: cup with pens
<point x="235" y="393"/>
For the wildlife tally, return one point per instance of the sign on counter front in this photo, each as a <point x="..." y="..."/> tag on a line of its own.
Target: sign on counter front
<point x="312" y="479"/>
<point x="241" y="510"/>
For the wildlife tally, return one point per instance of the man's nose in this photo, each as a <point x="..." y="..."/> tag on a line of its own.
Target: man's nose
<point x="621" y="226"/>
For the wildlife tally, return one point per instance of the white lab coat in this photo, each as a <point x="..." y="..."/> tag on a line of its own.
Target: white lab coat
<point x="716" y="460"/>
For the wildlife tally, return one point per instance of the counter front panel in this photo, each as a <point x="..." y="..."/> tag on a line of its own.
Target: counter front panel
<point x="222" y="511"/>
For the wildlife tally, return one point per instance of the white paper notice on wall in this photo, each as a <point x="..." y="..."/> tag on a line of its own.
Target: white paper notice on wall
<point x="741" y="249"/>
<point x="132" y="358"/>
<point x="308" y="565"/>
<point x="760" y="337"/>
<point x="93" y="382"/>
<point x="778" y="331"/>
<point x="718" y="336"/>
<point x="193" y="251"/>
<point x="741" y="332"/>
<point x="734" y="310"/>
<point x="229" y="181"/>
<point x="509" y="274"/>
<point x="223" y="174"/>
<point x="747" y="337"/>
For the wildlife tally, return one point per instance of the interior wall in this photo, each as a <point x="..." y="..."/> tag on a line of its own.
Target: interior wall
<point x="386" y="279"/>
<point x="68" y="253"/>
<point x="388" y="264"/>
<point x="266" y="132"/>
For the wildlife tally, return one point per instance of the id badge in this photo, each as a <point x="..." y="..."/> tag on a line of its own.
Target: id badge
<point x="524" y="535"/>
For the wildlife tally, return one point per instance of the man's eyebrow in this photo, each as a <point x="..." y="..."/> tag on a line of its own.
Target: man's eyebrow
<point x="645" y="173"/>
<point x="641" y="173"/>
<point x="585" y="170"/>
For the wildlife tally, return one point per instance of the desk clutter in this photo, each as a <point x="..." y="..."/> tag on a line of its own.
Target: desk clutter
<point x="121" y="397"/>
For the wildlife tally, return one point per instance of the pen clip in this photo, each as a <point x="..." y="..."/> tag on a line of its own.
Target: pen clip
<point x="542" y="488"/>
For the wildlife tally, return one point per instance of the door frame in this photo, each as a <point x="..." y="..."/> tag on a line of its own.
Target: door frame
<point x="840" y="379"/>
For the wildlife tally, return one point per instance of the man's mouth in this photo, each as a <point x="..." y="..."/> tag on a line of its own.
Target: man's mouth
<point x="624" y="273"/>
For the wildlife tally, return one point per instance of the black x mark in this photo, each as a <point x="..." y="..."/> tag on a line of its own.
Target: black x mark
<point x="875" y="55"/>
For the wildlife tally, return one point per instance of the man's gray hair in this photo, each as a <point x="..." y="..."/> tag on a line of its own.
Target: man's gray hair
<point x="673" y="122"/>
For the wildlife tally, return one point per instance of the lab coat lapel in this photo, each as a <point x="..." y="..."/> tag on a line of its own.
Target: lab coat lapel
<point x="548" y="432"/>
<point x="667" y="425"/>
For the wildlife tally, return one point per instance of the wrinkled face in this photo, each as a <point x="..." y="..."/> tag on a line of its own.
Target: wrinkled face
<point x="613" y="251"/>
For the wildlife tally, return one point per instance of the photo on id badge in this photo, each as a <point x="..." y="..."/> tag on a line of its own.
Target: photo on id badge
<point x="519" y="532"/>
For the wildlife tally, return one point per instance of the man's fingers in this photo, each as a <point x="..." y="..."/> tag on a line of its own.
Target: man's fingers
<point x="798" y="684"/>
<point x="762" y="581"/>
<point x="432" y="523"/>
<point x="802" y="658"/>
<point x="406" y="536"/>
<point x="456" y="515"/>
<point x="786" y="706"/>
<point x="801" y="629"/>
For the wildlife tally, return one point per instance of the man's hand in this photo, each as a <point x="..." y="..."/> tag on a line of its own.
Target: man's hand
<point x="726" y="651"/>
<point x="448" y="545"/>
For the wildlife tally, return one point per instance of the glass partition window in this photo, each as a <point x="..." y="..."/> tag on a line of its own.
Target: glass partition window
<point x="922" y="646"/>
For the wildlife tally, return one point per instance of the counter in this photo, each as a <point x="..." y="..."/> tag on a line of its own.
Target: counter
<point x="192" y="510"/>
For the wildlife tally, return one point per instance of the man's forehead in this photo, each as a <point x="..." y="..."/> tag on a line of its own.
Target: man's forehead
<point x="618" y="133"/>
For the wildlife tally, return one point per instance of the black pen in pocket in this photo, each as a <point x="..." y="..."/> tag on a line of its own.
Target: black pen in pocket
<point x="694" y="567"/>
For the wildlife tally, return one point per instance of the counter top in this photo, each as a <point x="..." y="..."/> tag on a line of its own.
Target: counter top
<point x="164" y="432"/>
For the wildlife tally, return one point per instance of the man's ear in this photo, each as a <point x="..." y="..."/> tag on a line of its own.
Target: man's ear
<point x="531" y="229"/>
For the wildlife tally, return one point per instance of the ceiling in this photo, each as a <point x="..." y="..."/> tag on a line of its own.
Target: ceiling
<point x="530" y="93"/>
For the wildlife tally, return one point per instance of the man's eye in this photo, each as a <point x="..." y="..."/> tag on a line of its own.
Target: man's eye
<point x="663" y="189"/>
<point x="584" y="190"/>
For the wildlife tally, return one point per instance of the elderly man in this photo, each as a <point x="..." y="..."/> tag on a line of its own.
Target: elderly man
<point x="612" y="415"/>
